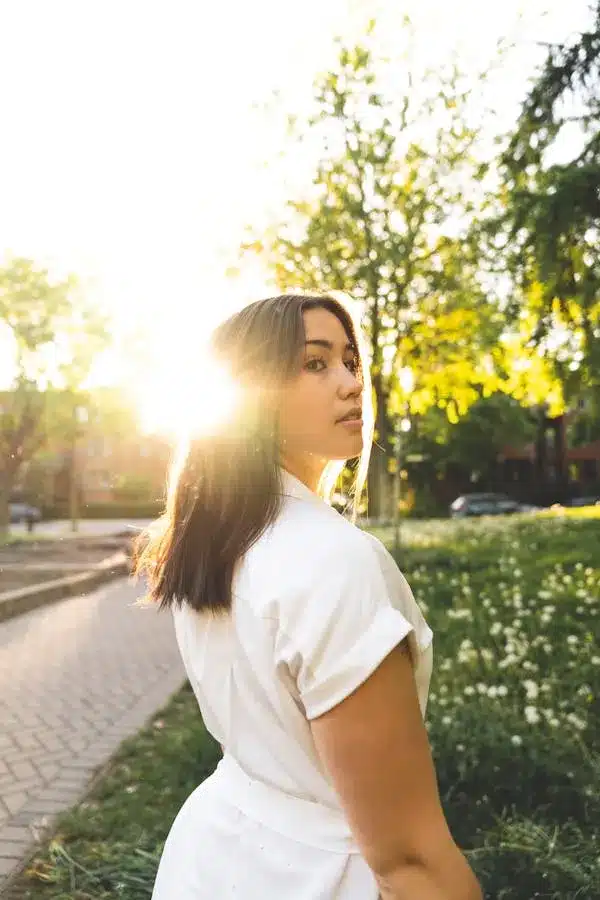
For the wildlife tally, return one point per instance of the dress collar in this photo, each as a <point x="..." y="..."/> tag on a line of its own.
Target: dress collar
<point x="293" y="487"/>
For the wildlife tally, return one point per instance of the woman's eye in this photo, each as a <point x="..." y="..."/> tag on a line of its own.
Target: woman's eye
<point x="352" y="365"/>
<point x="315" y="365"/>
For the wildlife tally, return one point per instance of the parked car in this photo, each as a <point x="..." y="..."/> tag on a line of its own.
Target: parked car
<point x="485" y="504"/>
<point x="23" y="512"/>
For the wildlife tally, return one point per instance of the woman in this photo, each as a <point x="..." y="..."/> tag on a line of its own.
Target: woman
<point x="302" y="641"/>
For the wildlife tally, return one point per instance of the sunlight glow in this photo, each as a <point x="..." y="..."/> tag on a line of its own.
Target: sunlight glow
<point x="187" y="401"/>
<point x="131" y="196"/>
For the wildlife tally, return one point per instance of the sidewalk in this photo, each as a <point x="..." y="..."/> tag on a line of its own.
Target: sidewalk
<point x="76" y="679"/>
<point x="61" y="528"/>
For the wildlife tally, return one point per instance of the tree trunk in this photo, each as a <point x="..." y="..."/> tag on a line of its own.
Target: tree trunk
<point x="378" y="483"/>
<point x="541" y="455"/>
<point x="4" y="510"/>
<point x="560" y="460"/>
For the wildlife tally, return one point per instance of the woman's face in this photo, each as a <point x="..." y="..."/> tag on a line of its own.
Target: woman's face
<point x="320" y="416"/>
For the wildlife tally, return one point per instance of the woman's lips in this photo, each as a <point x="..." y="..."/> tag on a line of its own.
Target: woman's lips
<point x="352" y="424"/>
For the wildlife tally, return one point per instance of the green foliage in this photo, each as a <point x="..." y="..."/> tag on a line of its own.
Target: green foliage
<point x="55" y="332"/>
<point x="476" y="441"/>
<point x="55" y="335"/>
<point x="513" y="605"/>
<point x="151" y="509"/>
<point x="135" y="489"/>
<point x="552" y="209"/>
<point x="387" y="221"/>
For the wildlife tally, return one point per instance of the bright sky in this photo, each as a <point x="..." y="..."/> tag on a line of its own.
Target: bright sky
<point x="136" y="144"/>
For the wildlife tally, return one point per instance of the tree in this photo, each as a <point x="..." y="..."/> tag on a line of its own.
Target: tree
<point x="476" y="441"/>
<point x="54" y="335"/>
<point x="551" y="221"/>
<point x="386" y="221"/>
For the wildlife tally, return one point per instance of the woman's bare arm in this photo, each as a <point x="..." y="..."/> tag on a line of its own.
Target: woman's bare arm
<point x="375" y="747"/>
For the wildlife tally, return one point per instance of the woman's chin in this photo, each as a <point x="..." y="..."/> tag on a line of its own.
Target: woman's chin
<point x="349" y="449"/>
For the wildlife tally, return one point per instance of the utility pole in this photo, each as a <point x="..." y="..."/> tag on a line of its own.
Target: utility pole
<point x="397" y="486"/>
<point x="79" y="417"/>
<point x="406" y="380"/>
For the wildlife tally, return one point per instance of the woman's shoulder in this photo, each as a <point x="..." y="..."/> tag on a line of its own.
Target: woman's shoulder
<point x="307" y="542"/>
<point x="321" y="530"/>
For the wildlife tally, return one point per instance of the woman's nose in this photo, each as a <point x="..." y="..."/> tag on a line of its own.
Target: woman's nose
<point x="350" y="384"/>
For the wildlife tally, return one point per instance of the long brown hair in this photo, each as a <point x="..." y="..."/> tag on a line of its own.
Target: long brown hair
<point x="225" y="487"/>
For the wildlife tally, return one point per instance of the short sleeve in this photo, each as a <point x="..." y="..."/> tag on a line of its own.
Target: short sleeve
<point x="336" y="631"/>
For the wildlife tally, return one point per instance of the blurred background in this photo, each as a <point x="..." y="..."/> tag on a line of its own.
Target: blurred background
<point x="162" y="166"/>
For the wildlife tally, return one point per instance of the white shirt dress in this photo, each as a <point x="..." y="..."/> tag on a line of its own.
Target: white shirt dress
<point x="318" y="604"/>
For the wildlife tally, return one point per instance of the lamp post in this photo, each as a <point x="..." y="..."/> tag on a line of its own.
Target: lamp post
<point x="80" y="417"/>
<point x="406" y="381"/>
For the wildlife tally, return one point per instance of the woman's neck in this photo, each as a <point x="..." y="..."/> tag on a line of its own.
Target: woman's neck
<point x="308" y="470"/>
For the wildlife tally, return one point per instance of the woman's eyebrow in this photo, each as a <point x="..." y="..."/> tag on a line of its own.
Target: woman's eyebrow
<point x="320" y="342"/>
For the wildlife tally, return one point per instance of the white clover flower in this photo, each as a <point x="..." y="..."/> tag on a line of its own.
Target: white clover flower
<point x="576" y="721"/>
<point x="446" y="720"/>
<point x="469" y="690"/>
<point x="532" y="715"/>
<point x="502" y="690"/>
<point x="572" y="640"/>
<point x="463" y="613"/>
<point x="516" y="740"/>
<point x="595" y="660"/>
<point x="531" y="689"/>
<point x="495" y="629"/>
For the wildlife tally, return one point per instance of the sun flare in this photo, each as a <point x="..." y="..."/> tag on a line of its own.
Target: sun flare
<point x="189" y="400"/>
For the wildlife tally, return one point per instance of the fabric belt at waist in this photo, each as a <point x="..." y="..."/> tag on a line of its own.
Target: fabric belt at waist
<point x="301" y="820"/>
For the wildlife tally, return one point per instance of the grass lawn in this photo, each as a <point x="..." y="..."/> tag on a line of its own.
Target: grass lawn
<point x="513" y="721"/>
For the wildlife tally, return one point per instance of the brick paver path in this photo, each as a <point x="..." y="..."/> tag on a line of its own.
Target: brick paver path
<point x="76" y="678"/>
